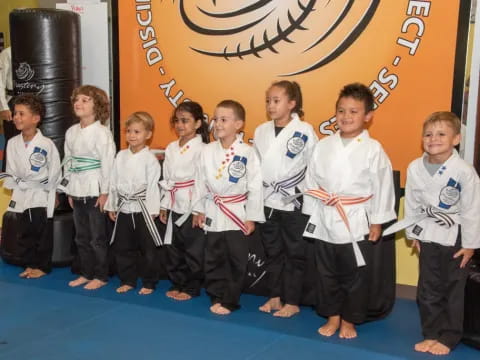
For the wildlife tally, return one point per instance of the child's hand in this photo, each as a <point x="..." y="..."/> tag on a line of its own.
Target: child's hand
<point x="112" y="215"/>
<point x="70" y="201"/>
<point x="198" y="221"/>
<point x="57" y="202"/>
<point x="467" y="255"/>
<point x="6" y="115"/>
<point x="375" y="231"/>
<point x="101" y="200"/>
<point x="416" y="245"/>
<point x="250" y="225"/>
<point x="163" y="216"/>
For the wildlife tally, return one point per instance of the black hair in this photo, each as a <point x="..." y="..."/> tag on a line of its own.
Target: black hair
<point x="196" y="110"/>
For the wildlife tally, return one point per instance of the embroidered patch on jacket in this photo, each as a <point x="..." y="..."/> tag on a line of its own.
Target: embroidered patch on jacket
<point x="208" y="221"/>
<point x="311" y="228"/>
<point x="417" y="230"/>
<point x="38" y="159"/>
<point x="64" y="182"/>
<point x="296" y="144"/>
<point x="12" y="204"/>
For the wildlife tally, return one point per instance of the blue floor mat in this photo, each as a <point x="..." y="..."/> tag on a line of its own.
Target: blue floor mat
<point x="45" y="319"/>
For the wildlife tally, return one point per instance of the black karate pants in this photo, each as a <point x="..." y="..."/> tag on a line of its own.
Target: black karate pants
<point x="34" y="243"/>
<point x="136" y="255"/>
<point x="91" y="238"/>
<point x="226" y="258"/>
<point x="440" y="293"/>
<point x="186" y="257"/>
<point x="285" y="254"/>
<point x="342" y="286"/>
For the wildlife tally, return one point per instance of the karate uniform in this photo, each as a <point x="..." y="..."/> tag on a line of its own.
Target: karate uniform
<point x="359" y="170"/>
<point x="187" y="246"/>
<point x="452" y="197"/>
<point x="284" y="159"/>
<point x="134" y="179"/>
<point x="6" y="93"/>
<point x="89" y="155"/>
<point x="232" y="178"/>
<point x="34" y="171"/>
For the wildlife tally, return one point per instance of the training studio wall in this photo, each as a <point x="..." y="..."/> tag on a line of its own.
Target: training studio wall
<point x="411" y="53"/>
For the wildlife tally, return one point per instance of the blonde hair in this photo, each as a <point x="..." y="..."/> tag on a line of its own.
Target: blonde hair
<point x="142" y="117"/>
<point x="450" y="118"/>
<point x="101" y="102"/>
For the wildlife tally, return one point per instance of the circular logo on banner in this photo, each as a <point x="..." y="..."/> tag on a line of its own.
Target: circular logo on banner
<point x="237" y="169"/>
<point x="449" y="195"/>
<point x="38" y="160"/>
<point x="253" y="28"/>
<point x="295" y="145"/>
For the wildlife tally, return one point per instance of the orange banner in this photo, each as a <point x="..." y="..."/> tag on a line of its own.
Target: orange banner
<point x="210" y="50"/>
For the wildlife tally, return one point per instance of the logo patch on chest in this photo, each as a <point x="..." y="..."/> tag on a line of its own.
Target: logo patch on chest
<point x="38" y="159"/>
<point x="450" y="194"/>
<point x="237" y="168"/>
<point x="296" y="144"/>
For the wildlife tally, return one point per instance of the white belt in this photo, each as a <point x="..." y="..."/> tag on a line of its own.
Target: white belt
<point x="442" y="218"/>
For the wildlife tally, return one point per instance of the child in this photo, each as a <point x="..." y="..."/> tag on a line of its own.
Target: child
<point x="185" y="264"/>
<point x="33" y="166"/>
<point x="228" y="197"/>
<point x="285" y="146"/>
<point x="351" y="193"/>
<point x="89" y="152"/>
<point x="442" y="192"/>
<point x="134" y="198"/>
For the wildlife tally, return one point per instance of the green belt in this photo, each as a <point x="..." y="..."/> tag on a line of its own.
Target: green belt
<point x="78" y="164"/>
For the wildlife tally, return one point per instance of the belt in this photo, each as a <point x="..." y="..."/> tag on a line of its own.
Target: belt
<point x="176" y="186"/>
<point x="220" y="201"/>
<point x="139" y="197"/>
<point x="441" y="218"/>
<point x="78" y="164"/>
<point x="338" y="201"/>
<point x="282" y="186"/>
<point x="42" y="184"/>
<point x="75" y="164"/>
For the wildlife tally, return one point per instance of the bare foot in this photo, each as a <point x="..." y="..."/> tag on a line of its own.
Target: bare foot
<point x="214" y="307"/>
<point x="425" y="345"/>
<point x="145" y="291"/>
<point x="439" y="349"/>
<point x="331" y="326"/>
<point x="124" y="288"/>
<point x="35" y="274"/>
<point x="347" y="330"/>
<point x="95" y="284"/>
<point x="287" y="311"/>
<point x="219" y="310"/>
<point x="271" y="304"/>
<point x="25" y="272"/>
<point x="78" y="281"/>
<point x="182" y="296"/>
<point x="172" y="293"/>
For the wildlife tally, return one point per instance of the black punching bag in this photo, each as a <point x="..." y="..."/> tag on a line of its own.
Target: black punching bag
<point x="46" y="60"/>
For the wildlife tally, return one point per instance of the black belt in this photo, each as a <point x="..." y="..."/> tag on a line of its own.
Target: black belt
<point x="9" y="92"/>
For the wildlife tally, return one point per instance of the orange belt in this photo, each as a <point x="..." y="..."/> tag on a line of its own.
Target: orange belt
<point x="338" y="201"/>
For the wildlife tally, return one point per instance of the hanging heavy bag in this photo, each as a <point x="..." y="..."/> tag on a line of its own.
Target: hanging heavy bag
<point x="46" y="60"/>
